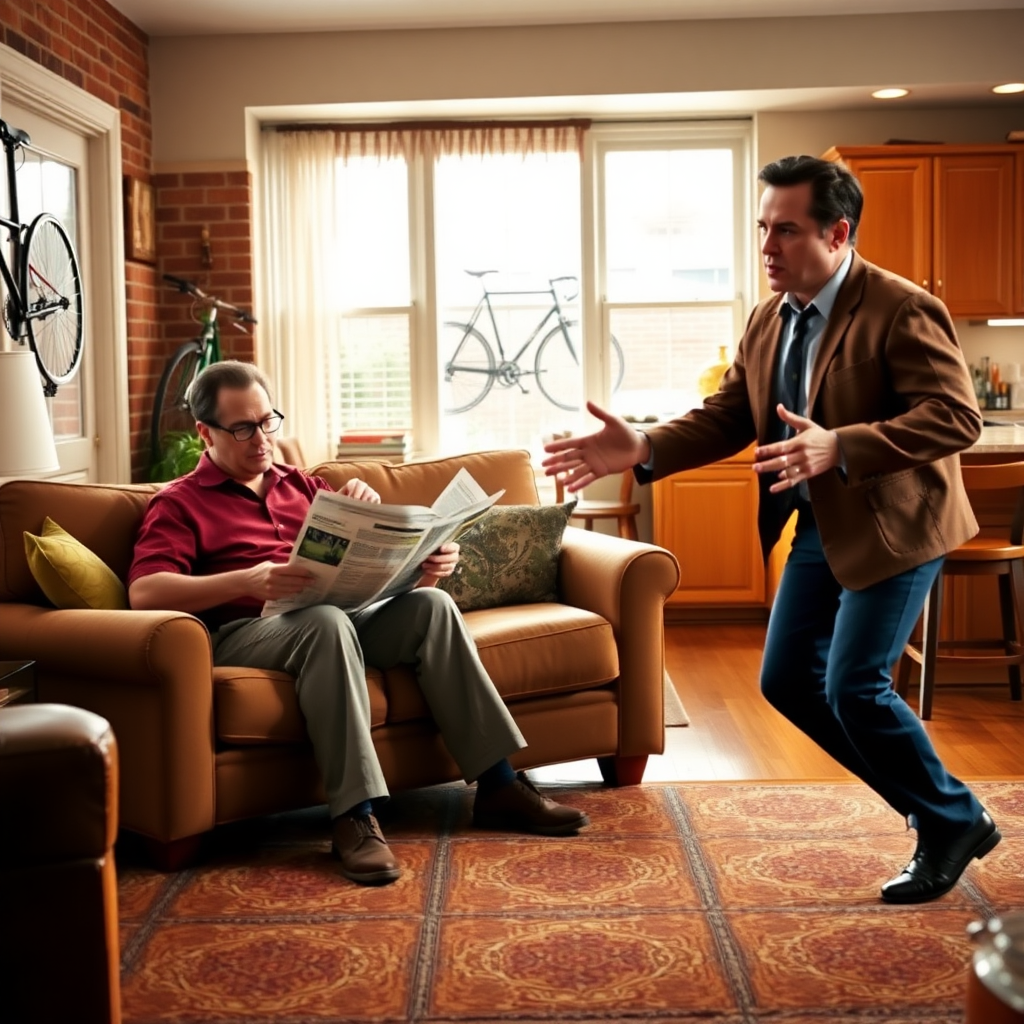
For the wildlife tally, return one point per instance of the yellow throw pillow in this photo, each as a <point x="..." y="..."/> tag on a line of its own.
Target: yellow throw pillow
<point x="69" y="574"/>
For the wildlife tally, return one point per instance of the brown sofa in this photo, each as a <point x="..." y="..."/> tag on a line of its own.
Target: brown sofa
<point x="201" y="746"/>
<point x="59" y="959"/>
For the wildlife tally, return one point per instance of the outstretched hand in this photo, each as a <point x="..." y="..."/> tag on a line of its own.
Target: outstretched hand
<point x="810" y="451"/>
<point x="581" y="460"/>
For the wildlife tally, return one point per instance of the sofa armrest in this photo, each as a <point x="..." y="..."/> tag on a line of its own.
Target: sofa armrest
<point x="144" y="648"/>
<point x="627" y="583"/>
<point x="150" y="674"/>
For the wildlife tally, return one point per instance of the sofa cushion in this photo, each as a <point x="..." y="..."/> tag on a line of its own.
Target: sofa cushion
<point x="528" y="650"/>
<point x="104" y="517"/>
<point x="69" y="574"/>
<point x="255" y="705"/>
<point x="509" y="556"/>
<point x="420" y="482"/>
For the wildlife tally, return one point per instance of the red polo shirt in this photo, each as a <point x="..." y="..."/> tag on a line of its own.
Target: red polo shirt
<point x="205" y="523"/>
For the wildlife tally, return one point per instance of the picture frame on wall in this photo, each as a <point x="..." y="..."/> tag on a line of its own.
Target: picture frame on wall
<point x="139" y="220"/>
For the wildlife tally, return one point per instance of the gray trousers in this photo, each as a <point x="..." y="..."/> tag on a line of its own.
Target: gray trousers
<point x="326" y="650"/>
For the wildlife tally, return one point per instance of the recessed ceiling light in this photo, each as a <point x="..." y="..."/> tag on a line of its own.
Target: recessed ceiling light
<point x="890" y="94"/>
<point x="1009" y="87"/>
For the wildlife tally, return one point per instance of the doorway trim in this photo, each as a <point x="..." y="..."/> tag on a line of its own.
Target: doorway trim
<point x="44" y="93"/>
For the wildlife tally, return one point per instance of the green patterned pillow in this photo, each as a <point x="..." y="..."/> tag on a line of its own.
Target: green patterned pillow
<point x="509" y="556"/>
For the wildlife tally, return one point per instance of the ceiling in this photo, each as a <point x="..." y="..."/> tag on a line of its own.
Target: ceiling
<point x="205" y="17"/>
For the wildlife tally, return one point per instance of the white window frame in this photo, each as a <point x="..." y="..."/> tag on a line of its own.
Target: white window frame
<point x="596" y="309"/>
<point x="601" y="138"/>
<point x="41" y="91"/>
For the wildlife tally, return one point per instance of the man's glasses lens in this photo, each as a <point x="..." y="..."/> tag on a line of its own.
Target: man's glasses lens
<point x="268" y="426"/>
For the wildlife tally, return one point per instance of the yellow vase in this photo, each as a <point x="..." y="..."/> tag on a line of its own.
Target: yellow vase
<point x="711" y="376"/>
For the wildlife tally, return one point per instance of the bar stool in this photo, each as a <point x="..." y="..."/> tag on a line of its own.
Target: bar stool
<point x="980" y="556"/>
<point x="624" y="511"/>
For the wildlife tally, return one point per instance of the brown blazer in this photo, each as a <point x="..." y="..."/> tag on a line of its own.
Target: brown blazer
<point x="890" y="379"/>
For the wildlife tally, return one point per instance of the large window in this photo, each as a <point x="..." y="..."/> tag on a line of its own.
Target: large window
<point x="479" y="296"/>
<point x="368" y="373"/>
<point x="672" y="261"/>
<point x="507" y="224"/>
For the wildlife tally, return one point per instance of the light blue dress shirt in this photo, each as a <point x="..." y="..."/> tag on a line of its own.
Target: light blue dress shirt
<point x="823" y="303"/>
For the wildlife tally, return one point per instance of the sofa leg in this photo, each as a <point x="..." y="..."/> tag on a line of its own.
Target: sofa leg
<point x="175" y="855"/>
<point x="622" y="771"/>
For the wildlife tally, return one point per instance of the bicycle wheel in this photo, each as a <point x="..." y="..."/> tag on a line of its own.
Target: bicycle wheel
<point x="557" y="366"/>
<point x="171" y="411"/>
<point x="51" y="284"/>
<point x="468" y="368"/>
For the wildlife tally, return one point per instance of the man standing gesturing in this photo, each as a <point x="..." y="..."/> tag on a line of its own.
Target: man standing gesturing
<point x="853" y="383"/>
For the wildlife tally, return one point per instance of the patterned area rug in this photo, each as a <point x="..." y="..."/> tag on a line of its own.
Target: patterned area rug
<point x="720" y="903"/>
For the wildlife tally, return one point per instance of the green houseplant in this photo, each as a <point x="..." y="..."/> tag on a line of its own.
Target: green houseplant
<point x="179" y="454"/>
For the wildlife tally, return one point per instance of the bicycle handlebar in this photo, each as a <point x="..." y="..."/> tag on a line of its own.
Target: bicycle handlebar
<point x="481" y="274"/>
<point x="190" y="288"/>
<point x="567" y="277"/>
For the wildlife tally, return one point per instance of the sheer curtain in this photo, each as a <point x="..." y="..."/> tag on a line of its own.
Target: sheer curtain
<point x="299" y="259"/>
<point x="301" y="255"/>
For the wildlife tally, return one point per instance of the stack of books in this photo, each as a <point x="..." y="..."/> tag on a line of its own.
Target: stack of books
<point x="392" y="445"/>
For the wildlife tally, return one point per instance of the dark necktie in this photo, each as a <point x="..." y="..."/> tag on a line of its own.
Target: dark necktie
<point x="775" y="509"/>
<point x="793" y="369"/>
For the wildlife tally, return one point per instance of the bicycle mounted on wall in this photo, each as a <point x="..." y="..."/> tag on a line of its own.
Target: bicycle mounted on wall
<point x="472" y="370"/>
<point x="172" y="414"/>
<point x="43" y="281"/>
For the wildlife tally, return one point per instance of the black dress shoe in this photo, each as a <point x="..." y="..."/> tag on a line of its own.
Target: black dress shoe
<point x="936" y="868"/>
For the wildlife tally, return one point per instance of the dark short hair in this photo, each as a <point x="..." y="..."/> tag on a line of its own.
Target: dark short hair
<point x="206" y="388"/>
<point x="835" y="192"/>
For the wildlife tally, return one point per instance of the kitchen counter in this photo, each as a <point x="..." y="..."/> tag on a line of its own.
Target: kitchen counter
<point x="1001" y="440"/>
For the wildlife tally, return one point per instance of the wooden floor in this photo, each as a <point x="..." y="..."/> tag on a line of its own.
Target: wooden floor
<point x="734" y="734"/>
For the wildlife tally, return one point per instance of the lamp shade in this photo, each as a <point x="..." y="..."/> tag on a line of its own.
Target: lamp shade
<point x="26" y="437"/>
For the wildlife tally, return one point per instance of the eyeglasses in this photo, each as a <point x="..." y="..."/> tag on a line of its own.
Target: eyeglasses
<point x="271" y="424"/>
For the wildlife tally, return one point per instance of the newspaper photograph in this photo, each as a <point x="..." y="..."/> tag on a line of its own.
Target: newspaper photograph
<point x="360" y="552"/>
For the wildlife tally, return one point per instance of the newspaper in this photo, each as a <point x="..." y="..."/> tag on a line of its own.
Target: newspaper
<point x="360" y="552"/>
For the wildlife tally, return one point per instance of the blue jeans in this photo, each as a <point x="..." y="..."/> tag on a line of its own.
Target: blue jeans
<point x="827" y="667"/>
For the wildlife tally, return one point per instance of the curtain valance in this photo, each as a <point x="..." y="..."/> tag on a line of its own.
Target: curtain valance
<point x="448" y="138"/>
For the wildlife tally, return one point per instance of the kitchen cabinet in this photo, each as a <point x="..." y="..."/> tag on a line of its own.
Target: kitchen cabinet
<point x="1018" y="247"/>
<point x="707" y="518"/>
<point x="949" y="218"/>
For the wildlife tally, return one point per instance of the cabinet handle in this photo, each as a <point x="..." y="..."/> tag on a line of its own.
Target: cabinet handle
<point x="924" y="283"/>
<point x="939" y="284"/>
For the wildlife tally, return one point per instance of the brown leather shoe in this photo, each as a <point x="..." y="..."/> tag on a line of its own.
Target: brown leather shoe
<point x="520" y="807"/>
<point x="363" y="851"/>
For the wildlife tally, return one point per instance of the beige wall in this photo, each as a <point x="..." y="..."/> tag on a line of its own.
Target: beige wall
<point x="200" y="86"/>
<point x="779" y="134"/>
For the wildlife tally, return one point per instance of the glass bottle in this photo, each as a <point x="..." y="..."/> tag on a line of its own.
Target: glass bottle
<point x="711" y="376"/>
<point x="995" y="986"/>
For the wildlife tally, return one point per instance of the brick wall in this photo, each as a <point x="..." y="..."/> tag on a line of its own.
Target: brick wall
<point x="219" y="202"/>
<point x="95" y="47"/>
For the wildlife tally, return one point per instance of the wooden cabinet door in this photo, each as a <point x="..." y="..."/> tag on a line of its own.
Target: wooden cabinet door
<point x="708" y="519"/>
<point x="896" y="227"/>
<point x="1018" y="242"/>
<point x="974" y="233"/>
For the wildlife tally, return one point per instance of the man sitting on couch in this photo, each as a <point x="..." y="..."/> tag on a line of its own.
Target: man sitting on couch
<point x="216" y="542"/>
